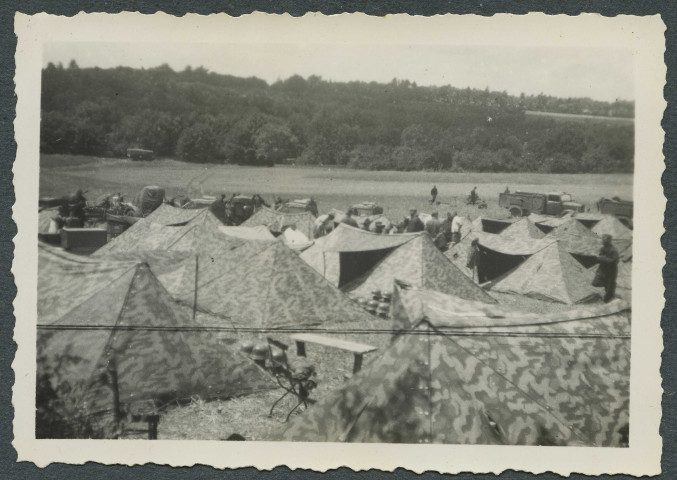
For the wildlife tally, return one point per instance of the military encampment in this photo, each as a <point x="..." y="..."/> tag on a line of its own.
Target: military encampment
<point x="320" y="260"/>
<point x="472" y="330"/>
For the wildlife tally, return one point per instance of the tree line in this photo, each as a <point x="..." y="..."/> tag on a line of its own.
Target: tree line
<point x="200" y="116"/>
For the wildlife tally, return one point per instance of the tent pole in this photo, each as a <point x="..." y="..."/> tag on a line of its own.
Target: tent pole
<point x="197" y="268"/>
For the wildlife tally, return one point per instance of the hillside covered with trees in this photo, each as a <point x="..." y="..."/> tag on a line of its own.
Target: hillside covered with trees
<point x="198" y="116"/>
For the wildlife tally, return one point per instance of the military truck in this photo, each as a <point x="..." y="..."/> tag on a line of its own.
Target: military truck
<point x="621" y="209"/>
<point x="521" y="204"/>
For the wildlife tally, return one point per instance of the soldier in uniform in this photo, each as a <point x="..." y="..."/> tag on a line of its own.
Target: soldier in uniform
<point x="474" y="259"/>
<point x="76" y="208"/>
<point x="433" y="194"/>
<point x="349" y="220"/>
<point x="415" y="224"/>
<point x="608" y="268"/>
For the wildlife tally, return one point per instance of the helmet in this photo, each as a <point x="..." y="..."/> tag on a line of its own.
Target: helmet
<point x="246" y="347"/>
<point x="260" y="351"/>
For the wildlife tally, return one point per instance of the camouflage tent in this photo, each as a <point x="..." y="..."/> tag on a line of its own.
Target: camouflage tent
<point x="274" y="220"/>
<point x="577" y="239"/>
<point x="169" y="215"/>
<point x="420" y="263"/>
<point x="610" y="225"/>
<point x="348" y="252"/>
<point x="200" y="235"/>
<point x="276" y="289"/>
<point x="260" y="232"/>
<point x="175" y="270"/>
<point x="487" y="381"/>
<point x="142" y="235"/>
<point x="552" y="275"/>
<point x="65" y="280"/>
<point x="45" y="218"/>
<point x="522" y="229"/>
<point x="131" y="328"/>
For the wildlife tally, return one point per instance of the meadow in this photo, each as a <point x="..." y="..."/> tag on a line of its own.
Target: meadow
<point x="330" y="186"/>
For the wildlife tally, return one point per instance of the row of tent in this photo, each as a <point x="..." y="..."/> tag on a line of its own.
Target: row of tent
<point x="558" y="266"/>
<point x="150" y="301"/>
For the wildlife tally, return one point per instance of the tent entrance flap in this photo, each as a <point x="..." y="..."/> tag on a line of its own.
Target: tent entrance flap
<point x="356" y="264"/>
<point x="494" y="264"/>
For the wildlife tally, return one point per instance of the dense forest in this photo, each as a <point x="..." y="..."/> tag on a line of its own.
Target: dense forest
<point x="198" y="116"/>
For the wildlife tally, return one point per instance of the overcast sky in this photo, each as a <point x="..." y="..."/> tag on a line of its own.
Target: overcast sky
<point x="601" y="73"/>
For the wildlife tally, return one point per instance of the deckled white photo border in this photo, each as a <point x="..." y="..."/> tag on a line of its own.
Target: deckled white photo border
<point x="643" y="35"/>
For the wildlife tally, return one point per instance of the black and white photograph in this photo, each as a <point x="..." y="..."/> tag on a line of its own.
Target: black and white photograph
<point x="405" y="235"/>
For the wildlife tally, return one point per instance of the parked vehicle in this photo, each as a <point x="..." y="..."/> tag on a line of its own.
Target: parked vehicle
<point x="298" y="206"/>
<point x="621" y="209"/>
<point x="521" y="204"/>
<point x="140" y="154"/>
<point x="366" y="209"/>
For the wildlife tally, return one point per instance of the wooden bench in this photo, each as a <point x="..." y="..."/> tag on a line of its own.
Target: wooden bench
<point x="357" y="349"/>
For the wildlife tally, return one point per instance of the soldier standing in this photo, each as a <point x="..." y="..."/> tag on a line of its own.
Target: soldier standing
<point x="608" y="268"/>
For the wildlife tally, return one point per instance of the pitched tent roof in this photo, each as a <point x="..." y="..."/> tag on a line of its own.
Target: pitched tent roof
<point x="459" y="252"/>
<point x="576" y="238"/>
<point x="276" y="289"/>
<point x="551" y="274"/>
<point x="610" y="225"/>
<point x="512" y="245"/>
<point x="482" y="387"/>
<point x="260" y="232"/>
<point x="325" y="256"/>
<point x="142" y="235"/>
<point x="345" y="238"/>
<point x="169" y="215"/>
<point x="274" y="220"/>
<point x="419" y="263"/>
<point x="327" y="264"/>
<point x="65" y="280"/>
<point x="175" y="270"/>
<point x="158" y="353"/>
<point x="522" y="229"/>
<point x="410" y="304"/>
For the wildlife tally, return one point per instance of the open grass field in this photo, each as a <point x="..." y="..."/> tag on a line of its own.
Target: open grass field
<point x="332" y="188"/>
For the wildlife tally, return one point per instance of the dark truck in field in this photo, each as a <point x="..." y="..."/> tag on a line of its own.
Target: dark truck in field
<point x="523" y="203"/>
<point x="140" y="154"/>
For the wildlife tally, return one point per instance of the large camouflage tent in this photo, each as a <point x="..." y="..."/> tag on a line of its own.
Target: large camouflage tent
<point x="610" y="225"/>
<point x="169" y="215"/>
<point x="420" y="263"/>
<point x="131" y="327"/>
<point x="480" y="380"/>
<point x="552" y="275"/>
<point x="348" y="252"/>
<point x="276" y="289"/>
<point x="275" y="221"/>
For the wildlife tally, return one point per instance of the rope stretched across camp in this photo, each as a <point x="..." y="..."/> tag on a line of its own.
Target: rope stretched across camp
<point x="450" y="331"/>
